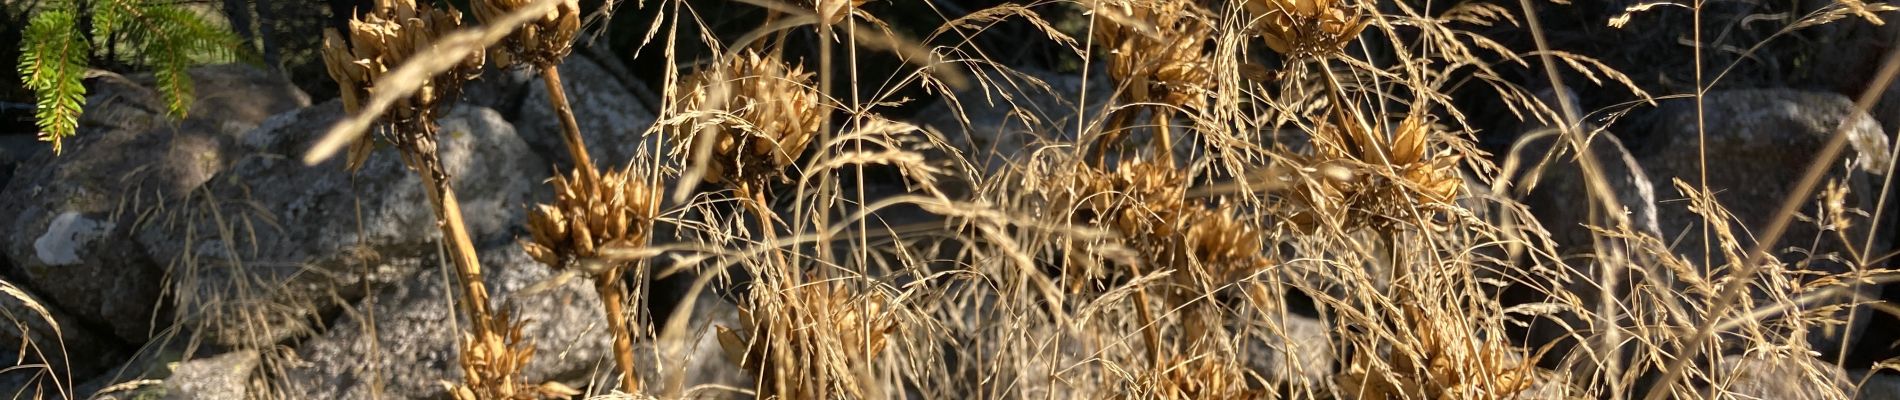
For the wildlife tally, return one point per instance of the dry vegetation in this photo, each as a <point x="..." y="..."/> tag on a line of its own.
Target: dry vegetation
<point x="1253" y="153"/>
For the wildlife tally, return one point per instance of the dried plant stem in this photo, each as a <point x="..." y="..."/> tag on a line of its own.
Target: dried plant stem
<point x="1164" y="140"/>
<point x="1150" y="334"/>
<point x="613" y="295"/>
<point x="754" y="201"/>
<point x="448" y="214"/>
<point x="570" y="129"/>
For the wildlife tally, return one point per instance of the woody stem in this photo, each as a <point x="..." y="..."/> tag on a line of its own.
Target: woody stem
<point x="570" y="129"/>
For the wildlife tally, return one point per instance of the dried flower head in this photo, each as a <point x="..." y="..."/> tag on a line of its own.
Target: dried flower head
<point x="541" y="42"/>
<point x="492" y="369"/>
<point x="1158" y="49"/>
<point x="1139" y="198"/>
<point x="1450" y="363"/>
<point x="756" y="113"/>
<point x="378" y="42"/>
<point x="1204" y="377"/>
<point x="1393" y="177"/>
<point x="586" y="218"/>
<point x="1225" y="247"/>
<point x="1306" y="28"/>
<point x="817" y="330"/>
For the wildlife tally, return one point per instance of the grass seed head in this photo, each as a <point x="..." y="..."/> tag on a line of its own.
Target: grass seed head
<point x="757" y="113"/>
<point x="378" y="42"/>
<point x="541" y="42"/>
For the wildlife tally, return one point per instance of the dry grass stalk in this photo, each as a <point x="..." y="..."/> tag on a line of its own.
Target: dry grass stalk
<point x="386" y="37"/>
<point x="587" y="218"/>
<point x="1204" y="377"/>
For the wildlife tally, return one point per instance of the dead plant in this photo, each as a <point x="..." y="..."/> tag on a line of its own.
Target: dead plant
<point x="377" y="42"/>
<point x="1158" y="53"/>
<point x="1306" y="28"/>
<point x="587" y="219"/>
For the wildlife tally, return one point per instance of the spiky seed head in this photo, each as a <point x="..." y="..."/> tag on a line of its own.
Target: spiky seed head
<point x="1203" y="377"/>
<point x="588" y="217"/>
<point x="1227" y="248"/>
<point x="1157" y="48"/>
<point x="1306" y="28"/>
<point x="380" y="41"/>
<point x="542" y="42"/>
<point x="757" y="114"/>
<point x="1401" y="172"/>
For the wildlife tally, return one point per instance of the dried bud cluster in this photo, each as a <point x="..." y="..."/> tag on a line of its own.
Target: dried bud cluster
<point x="1205" y="377"/>
<point x="1306" y="28"/>
<point x="586" y="218"/>
<point x="1456" y="364"/>
<point x="541" y="42"/>
<point x="1369" y="195"/>
<point x="389" y="35"/>
<point x="755" y="112"/>
<point x="491" y="369"/>
<point x="1146" y="203"/>
<point x="1164" y="63"/>
<point x="822" y="326"/>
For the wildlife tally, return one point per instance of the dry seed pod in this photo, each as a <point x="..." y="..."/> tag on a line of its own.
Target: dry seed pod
<point x="755" y="112"/>
<point x="586" y="218"/>
<point x="1204" y="377"/>
<point x="1306" y="28"/>
<point x="1227" y="248"/>
<point x="380" y="41"/>
<point x="1382" y="199"/>
<point x="541" y="42"/>
<point x="1158" y="49"/>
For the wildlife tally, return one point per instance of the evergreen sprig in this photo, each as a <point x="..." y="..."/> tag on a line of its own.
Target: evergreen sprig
<point x="167" y="39"/>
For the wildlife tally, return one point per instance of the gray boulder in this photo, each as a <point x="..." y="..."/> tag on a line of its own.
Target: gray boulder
<point x="612" y="119"/>
<point x="402" y="340"/>
<point x="1877" y="385"/>
<point x="1759" y="144"/>
<point x="225" y="376"/>
<point x="268" y="247"/>
<point x="164" y="372"/>
<point x="73" y="215"/>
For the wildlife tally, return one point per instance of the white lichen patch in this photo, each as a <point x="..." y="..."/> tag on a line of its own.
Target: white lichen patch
<point x="68" y="232"/>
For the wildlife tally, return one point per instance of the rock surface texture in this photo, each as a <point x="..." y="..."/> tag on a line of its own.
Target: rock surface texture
<point x="72" y="216"/>
<point x="268" y="248"/>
